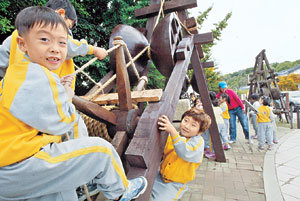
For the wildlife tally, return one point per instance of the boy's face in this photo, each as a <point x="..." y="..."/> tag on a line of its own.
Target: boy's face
<point x="222" y="90"/>
<point x="189" y="127"/>
<point x="45" y="45"/>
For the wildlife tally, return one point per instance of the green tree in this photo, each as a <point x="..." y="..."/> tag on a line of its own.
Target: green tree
<point x="96" y="19"/>
<point x="213" y="76"/>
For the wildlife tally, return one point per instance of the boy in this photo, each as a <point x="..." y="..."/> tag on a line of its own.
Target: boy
<point x="235" y="109"/>
<point x="183" y="154"/>
<point x="36" y="110"/>
<point x="254" y="100"/>
<point x="10" y="54"/>
<point x="264" y="120"/>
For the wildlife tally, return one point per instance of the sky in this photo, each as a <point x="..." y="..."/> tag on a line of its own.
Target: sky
<point x="273" y="25"/>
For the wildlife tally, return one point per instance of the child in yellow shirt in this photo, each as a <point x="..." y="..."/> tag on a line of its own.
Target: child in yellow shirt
<point x="264" y="121"/>
<point x="183" y="154"/>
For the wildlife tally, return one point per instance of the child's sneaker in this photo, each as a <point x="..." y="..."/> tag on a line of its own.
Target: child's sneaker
<point x="206" y="151"/>
<point x="254" y="136"/>
<point x="261" y="148"/>
<point x="275" y="141"/>
<point x="135" y="188"/>
<point x="231" y="141"/>
<point x="226" y="147"/>
<point x="211" y="156"/>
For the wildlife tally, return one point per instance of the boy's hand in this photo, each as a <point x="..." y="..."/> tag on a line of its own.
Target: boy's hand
<point x="67" y="80"/>
<point x="164" y="124"/>
<point x="101" y="53"/>
<point x="70" y="92"/>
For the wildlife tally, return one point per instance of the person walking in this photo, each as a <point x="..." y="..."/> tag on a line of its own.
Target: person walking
<point x="236" y="109"/>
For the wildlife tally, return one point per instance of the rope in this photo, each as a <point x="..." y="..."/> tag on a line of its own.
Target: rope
<point x="161" y="12"/>
<point x="184" y="26"/>
<point x="132" y="63"/>
<point x="93" y="60"/>
<point x="90" y="97"/>
<point x="89" y="78"/>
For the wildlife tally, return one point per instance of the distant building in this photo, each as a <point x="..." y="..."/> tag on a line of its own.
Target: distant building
<point x="295" y="70"/>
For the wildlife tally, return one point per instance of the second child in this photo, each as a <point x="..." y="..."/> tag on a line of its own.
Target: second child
<point x="183" y="154"/>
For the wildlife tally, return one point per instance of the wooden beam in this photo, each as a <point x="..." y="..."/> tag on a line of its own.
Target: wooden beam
<point x="207" y="105"/>
<point x="208" y="64"/>
<point x="94" y="110"/>
<point x="123" y="84"/>
<point x="146" y="148"/>
<point x="152" y="95"/>
<point x="203" y="38"/>
<point x="169" y="6"/>
<point x="120" y="141"/>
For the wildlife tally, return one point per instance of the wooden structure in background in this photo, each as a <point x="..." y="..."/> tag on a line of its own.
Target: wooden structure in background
<point x="263" y="82"/>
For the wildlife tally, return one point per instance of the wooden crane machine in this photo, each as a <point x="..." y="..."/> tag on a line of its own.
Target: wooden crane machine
<point x="172" y="43"/>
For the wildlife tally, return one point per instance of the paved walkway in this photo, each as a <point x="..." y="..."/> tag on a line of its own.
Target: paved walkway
<point x="251" y="174"/>
<point x="246" y="174"/>
<point x="284" y="162"/>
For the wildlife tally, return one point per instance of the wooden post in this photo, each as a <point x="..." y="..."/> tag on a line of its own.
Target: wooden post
<point x="213" y="130"/>
<point x="146" y="148"/>
<point x="123" y="85"/>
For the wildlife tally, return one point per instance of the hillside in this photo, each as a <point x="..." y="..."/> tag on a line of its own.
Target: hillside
<point x="240" y="78"/>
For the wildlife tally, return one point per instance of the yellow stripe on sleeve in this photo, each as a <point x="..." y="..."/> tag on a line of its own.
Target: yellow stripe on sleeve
<point x="54" y="89"/>
<point x="195" y="147"/>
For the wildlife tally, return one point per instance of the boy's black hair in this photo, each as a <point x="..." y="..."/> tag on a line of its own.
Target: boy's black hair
<point x="70" y="11"/>
<point x="37" y="15"/>
<point x="195" y="101"/>
<point x="227" y="98"/>
<point x="254" y="96"/>
<point x="212" y="95"/>
<point x="266" y="100"/>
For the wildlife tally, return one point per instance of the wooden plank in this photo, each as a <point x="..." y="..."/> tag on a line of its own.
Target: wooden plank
<point x="203" y="38"/>
<point x="146" y="148"/>
<point x="94" y="110"/>
<point x="151" y="95"/>
<point x="207" y="105"/>
<point x="169" y="6"/>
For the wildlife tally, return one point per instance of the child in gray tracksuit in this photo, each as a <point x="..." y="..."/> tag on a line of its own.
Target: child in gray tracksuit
<point x="9" y="53"/>
<point x="36" y="110"/>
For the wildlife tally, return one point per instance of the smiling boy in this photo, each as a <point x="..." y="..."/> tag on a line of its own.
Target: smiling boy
<point x="36" y="110"/>
<point x="183" y="154"/>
